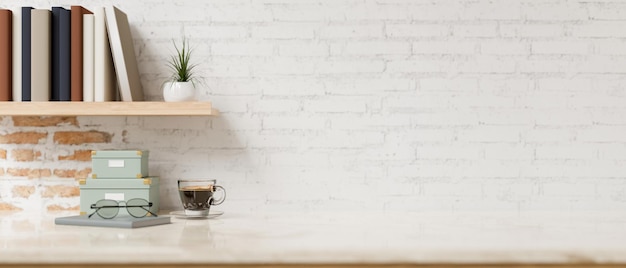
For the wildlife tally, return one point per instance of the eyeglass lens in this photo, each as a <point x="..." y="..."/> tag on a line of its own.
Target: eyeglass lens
<point x="136" y="207"/>
<point x="108" y="208"/>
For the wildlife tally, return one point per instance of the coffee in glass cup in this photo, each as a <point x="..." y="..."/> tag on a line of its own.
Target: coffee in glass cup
<point x="197" y="196"/>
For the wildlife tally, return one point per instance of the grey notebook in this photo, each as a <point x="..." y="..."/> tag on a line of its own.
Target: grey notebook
<point x="119" y="222"/>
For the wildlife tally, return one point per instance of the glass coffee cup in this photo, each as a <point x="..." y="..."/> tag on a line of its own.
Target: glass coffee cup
<point x="197" y="196"/>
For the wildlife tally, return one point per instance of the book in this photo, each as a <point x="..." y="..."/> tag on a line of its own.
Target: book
<point x="77" y="52"/>
<point x="104" y="72"/>
<point x="123" y="55"/>
<point x="123" y="221"/>
<point x="40" y="55"/>
<point x="26" y="40"/>
<point x="88" y="57"/>
<point x="17" y="55"/>
<point x="6" y="44"/>
<point x="60" y="88"/>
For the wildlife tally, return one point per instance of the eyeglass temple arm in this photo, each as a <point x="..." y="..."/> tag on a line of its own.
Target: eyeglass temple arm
<point x="93" y="213"/>
<point x="151" y="213"/>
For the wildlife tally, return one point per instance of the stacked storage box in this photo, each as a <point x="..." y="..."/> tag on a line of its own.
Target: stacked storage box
<point x="119" y="175"/>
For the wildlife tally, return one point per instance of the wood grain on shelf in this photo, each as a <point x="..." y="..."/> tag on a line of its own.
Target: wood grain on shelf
<point x="346" y="265"/>
<point x="143" y="108"/>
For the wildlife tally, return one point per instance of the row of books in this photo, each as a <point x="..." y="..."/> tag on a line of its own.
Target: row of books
<point x="61" y="54"/>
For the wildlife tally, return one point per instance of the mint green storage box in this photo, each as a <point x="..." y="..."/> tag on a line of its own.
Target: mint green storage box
<point x="92" y="190"/>
<point x="117" y="164"/>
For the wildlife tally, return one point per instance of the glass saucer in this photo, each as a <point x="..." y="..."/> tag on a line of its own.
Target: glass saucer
<point x="181" y="214"/>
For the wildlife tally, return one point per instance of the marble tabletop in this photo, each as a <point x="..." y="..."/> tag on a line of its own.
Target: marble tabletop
<point x="325" y="237"/>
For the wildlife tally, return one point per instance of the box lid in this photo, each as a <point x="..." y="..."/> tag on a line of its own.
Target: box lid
<point x="119" y="154"/>
<point x="118" y="183"/>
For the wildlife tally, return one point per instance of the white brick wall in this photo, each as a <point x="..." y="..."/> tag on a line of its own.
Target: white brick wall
<point x="387" y="104"/>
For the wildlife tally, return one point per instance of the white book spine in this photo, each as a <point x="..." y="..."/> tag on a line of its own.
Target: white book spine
<point x="17" y="54"/>
<point x="40" y="53"/>
<point x="104" y="72"/>
<point x="99" y="39"/>
<point x="88" y="57"/>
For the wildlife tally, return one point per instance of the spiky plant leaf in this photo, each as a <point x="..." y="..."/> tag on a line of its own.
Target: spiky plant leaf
<point x="180" y="63"/>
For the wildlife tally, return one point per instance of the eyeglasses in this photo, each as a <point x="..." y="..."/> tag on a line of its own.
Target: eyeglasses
<point x="108" y="209"/>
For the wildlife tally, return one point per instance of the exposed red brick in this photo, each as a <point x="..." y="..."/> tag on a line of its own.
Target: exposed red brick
<point x="3" y="154"/>
<point x="22" y="137"/>
<point x="30" y="173"/>
<point x="60" y="191"/>
<point x="61" y="208"/>
<point x="44" y="121"/>
<point x="25" y="155"/>
<point x="81" y="137"/>
<point x="7" y="206"/>
<point x="78" y="155"/>
<point x="23" y="191"/>
<point x="83" y="173"/>
<point x="72" y="173"/>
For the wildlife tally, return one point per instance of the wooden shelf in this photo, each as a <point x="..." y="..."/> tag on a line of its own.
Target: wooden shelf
<point x="118" y="108"/>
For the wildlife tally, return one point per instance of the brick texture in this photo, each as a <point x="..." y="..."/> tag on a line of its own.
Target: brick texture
<point x="22" y="138"/>
<point x="30" y="173"/>
<point x="62" y="208"/>
<point x="78" y="155"/>
<point x="81" y="137"/>
<point x="23" y="191"/>
<point x="43" y="121"/>
<point x="8" y="206"/>
<point x="60" y="191"/>
<point x="325" y="104"/>
<point x="72" y="173"/>
<point x="23" y="155"/>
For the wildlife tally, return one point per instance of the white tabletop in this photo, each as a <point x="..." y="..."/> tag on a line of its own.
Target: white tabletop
<point x="326" y="237"/>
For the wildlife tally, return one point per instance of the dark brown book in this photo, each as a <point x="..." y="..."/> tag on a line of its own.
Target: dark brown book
<point x="6" y="54"/>
<point x="77" y="51"/>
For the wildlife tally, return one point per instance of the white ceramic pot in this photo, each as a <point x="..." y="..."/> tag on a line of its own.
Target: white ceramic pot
<point x="179" y="91"/>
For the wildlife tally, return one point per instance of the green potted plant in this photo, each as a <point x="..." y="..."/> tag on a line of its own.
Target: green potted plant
<point x="181" y="85"/>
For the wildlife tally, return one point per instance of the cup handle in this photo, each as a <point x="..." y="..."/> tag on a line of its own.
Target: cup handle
<point x="222" y="198"/>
